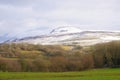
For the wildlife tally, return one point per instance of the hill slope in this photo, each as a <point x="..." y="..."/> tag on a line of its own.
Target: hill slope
<point x="71" y="36"/>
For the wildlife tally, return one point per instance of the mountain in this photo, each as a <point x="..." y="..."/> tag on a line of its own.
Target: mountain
<point x="70" y="36"/>
<point x="65" y="30"/>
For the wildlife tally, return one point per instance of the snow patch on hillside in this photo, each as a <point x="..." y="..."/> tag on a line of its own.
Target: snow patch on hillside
<point x="65" y="30"/>
<point x="111" y="38"/>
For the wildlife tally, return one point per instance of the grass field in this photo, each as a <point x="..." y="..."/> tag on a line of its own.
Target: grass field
<point x="95" y="74"/>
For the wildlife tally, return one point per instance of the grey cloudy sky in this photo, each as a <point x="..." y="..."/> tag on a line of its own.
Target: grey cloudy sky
<point x="18" y="16"/>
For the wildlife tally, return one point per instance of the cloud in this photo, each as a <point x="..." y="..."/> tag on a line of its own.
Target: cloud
<point x="19" y="16"/>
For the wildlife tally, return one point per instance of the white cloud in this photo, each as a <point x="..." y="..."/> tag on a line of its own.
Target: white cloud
<point x="24" y="15"/>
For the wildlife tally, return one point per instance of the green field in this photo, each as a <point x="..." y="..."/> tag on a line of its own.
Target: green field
<point x="95" y="74"/>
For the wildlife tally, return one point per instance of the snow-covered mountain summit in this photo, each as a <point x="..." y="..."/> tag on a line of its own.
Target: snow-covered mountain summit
<point x="70" y="36"/>
<point x="65" y="30"/>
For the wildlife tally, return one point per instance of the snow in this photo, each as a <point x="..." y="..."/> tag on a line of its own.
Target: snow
<point x="66" y="30"/>
<point x="111" y="38"/>
<point x="62" y="35"/>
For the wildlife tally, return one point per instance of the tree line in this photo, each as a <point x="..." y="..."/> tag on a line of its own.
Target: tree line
<point x="53" y="58"/>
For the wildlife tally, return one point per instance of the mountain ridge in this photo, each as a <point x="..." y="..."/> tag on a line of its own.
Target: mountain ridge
<point x="70" y="36"/>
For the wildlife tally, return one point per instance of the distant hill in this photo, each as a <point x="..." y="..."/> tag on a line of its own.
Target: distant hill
<point x="70" y="36"/>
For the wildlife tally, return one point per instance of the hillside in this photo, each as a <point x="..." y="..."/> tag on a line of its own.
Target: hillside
<point x="58" y="58"/>
<point x="69" y="36"/>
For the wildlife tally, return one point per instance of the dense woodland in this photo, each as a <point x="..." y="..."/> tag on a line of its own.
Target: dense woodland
<point x="58" y="58"/>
